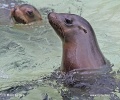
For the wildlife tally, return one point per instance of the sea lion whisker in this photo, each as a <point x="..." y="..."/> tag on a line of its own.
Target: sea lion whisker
<point x="58" y="26"/>
<point x="62" y="31"/>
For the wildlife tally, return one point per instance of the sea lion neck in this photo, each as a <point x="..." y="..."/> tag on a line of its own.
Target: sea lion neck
<point x="81" y="54"/>
<point x="80" y="47"/>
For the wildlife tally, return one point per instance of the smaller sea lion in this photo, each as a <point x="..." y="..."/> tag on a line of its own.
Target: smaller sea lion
<point x="80" y="47"/>
<point x="25" y="14"/>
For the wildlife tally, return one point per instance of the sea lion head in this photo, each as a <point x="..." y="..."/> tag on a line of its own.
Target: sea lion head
<point x="68" y="26"/>
<point x="25" y="13"/>
<point x="80" y="47"/>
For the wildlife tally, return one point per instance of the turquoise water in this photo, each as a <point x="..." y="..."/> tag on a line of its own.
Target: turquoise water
<point x="30" y="52"/>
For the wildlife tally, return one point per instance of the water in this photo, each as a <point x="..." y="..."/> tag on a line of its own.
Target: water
<point x="30" y="53"/>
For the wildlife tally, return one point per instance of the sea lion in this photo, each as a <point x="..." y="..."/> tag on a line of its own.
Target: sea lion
<point x="25" y="14"/>
<point x="80" y="47"/>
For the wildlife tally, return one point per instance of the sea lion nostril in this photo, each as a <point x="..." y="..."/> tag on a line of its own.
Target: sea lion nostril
<point x="52" y="15"/>
<point x="15" y="8"/>
<point x="49" y="14"/>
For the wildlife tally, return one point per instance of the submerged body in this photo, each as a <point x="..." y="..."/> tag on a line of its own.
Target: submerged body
<point x="80" y="47"/>
<point x="25" y="13"/>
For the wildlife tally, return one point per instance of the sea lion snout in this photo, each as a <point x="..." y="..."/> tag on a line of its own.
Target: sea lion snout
<point x="52" y="15"/>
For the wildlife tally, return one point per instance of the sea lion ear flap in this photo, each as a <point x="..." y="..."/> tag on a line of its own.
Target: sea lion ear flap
<point x="81" y="27"/>
<point x="30" y="13"/>
<point x="85" y="30"/>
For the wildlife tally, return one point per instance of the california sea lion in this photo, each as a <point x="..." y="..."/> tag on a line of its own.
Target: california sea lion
<point x="25" y="13"/>
<point x="80" y="47"/>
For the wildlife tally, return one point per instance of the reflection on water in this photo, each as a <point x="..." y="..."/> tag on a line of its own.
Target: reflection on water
<point x="29" y="54"/>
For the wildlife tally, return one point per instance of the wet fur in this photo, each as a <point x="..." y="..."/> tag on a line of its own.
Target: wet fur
<point x="80" y="47"/>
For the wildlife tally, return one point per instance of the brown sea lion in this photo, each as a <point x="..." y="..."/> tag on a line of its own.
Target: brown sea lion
<point x="80" y="47"/>
<point x="25" y="13"/>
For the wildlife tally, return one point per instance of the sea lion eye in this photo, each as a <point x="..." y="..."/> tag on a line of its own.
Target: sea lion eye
<point x="68" y="21"/>
<point x="30" y="13"/>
